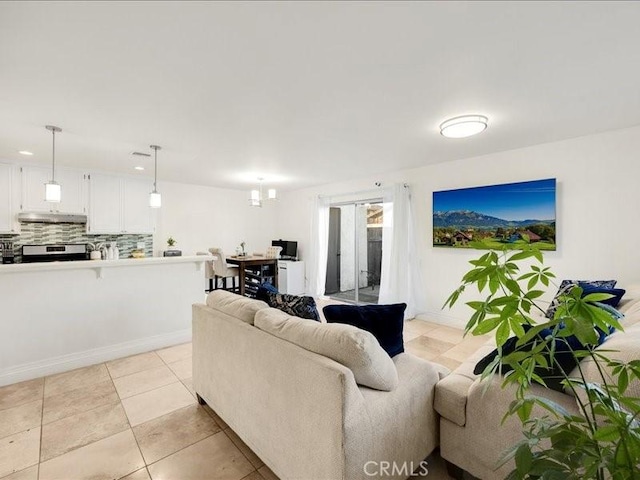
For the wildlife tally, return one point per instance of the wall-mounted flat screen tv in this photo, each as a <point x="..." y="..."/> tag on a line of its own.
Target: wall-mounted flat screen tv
<point x="496" y="216"/>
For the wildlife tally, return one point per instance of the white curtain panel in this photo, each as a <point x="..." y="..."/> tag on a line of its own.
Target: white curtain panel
<point x="401" y="277"/>
<point x="319" y="246"/>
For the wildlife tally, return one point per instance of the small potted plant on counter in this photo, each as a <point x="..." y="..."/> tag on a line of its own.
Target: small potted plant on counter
<point x="172" y="251"/>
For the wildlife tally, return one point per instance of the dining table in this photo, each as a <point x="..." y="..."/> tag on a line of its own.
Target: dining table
<point x="254" y="270"/>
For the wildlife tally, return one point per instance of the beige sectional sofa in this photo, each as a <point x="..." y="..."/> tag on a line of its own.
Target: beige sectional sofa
<point x="302" y="412"/>
<point x="471" y="434"/>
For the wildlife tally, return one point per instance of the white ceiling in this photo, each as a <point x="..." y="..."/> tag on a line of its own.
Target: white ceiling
<point x="307" y="93"/>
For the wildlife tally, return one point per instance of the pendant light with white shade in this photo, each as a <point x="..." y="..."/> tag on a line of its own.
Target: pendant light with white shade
<point x="155" y="199"/>
<point x="52" y="190"/>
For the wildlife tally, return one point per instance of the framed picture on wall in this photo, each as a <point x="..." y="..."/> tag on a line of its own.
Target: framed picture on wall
<point x="496" y="216"/>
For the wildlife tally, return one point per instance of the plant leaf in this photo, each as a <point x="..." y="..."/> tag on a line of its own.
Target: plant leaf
<point x="502" y="333"/>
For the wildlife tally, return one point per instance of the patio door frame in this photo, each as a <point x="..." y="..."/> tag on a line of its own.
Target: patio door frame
<point x="356" y="260"/>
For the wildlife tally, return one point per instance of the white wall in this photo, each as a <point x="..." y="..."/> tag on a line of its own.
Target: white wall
<point x="200" y="217"/>
<point x="598" y="204"/>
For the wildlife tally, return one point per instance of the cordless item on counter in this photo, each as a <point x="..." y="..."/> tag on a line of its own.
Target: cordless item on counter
<point x="6" y="250"/>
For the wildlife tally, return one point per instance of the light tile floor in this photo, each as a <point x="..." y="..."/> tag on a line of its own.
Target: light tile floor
<point x="137" y="418"/>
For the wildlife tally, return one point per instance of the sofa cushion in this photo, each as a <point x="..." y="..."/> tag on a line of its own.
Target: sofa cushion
<point x="297" y="305"/>
<point x="354" y="348"/>
<point x="235" y="305"/>
<point x="385" y="322"/>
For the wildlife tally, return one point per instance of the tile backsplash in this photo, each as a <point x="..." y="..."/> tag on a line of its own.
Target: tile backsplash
<point x="41" y="233"/>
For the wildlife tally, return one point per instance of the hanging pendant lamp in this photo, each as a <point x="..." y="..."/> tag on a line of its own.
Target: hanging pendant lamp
<point x="52" y="190"/>
<point x="155" y="199"/>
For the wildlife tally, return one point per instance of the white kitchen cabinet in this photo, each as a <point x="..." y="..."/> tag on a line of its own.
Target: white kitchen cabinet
<point x="105" y="203"/>
<point x="72" y="185"/>
<point x="136" y="211"/>
<point x="6" y="197"/>
<point x="290" y="277"/>
<point x="119" y="204"/>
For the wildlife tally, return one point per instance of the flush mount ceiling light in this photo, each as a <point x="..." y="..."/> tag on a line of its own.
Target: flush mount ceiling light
<point x="139" y="168"/>
<point x="463" y="126"/>
<point x="52" y="191"/>
<point x="256" y="198"/>
<point x="155" y="199"/>
<point x="25" y="152"/>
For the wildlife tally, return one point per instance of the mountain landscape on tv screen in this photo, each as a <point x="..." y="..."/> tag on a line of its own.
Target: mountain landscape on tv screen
<point x="464" y="219"/>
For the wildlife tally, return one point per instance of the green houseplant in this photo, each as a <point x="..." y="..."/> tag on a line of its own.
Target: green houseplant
<point x="604" y="440"/>
<point x="171" y="242"/>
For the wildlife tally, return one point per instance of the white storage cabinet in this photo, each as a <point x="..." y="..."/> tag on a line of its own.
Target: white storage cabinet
<point x="7" y="224"/>
<point x="291" y="277"/>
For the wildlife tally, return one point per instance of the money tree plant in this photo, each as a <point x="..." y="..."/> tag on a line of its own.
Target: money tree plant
<point x="603" y="440"/>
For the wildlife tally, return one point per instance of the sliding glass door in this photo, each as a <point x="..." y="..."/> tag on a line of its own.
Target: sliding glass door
<point x="355" y="251"/>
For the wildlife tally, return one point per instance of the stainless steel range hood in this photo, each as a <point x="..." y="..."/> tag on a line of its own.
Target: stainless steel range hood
<point x="41" y="217"/>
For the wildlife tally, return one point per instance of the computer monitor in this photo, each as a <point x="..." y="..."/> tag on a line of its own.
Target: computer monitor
<point x="289" y="249"/>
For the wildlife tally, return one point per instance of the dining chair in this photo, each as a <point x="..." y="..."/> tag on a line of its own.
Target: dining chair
<point x="223" y="271"/>
<point x="273" y="252"/>
<point x="209" y="273"/>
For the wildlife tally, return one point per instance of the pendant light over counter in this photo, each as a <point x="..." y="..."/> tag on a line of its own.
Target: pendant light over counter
<point x="52" y="190"/>
<point x="155" y="199"/>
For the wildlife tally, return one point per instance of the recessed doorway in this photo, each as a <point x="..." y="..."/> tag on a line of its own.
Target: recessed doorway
<point x="354" y="257"/>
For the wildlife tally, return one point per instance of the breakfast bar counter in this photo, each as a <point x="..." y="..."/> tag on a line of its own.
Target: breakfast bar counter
<point x="57" y="316"/>
<point x="99" y="265"/>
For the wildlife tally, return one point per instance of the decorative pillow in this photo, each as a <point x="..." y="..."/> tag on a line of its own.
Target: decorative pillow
<point x="563" y="358"/>
<point x="298" y="306"/>
<point x="567" y="285"/>
<point x="614" y="301"/>
<point x="385" y="322"/>
<point x="352" y="347"/>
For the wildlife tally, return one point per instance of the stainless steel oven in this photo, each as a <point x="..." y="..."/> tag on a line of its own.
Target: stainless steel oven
<point x="60" y="252"/>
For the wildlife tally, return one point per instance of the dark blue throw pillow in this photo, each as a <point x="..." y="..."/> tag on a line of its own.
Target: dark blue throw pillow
<point x="563" y="359"/>
<point x="385" y="322"/>
<point x="613" y="301"/>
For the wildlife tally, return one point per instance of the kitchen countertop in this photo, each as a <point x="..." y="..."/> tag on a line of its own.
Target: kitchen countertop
<point x="99" y="265"/>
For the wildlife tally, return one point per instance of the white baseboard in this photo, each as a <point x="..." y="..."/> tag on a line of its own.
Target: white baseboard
<point x="442" y="319"/>
<point x="63" y="363"/>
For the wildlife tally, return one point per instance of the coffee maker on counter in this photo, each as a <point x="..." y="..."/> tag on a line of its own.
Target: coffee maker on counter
<point x="6" y="251"/>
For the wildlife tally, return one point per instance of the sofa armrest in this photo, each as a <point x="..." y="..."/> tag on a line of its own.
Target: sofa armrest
<point x="451" y="398"/>
<point x="453" y="390"/>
